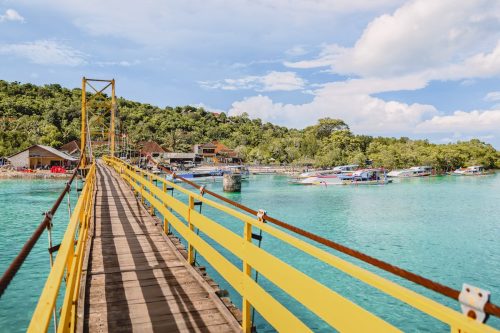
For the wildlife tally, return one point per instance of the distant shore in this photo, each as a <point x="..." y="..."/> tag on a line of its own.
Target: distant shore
<point x="9" y="174"/>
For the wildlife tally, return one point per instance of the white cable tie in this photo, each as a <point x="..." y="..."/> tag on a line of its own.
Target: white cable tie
<point x="260" y="215"/>
<point x="472" y="301"/>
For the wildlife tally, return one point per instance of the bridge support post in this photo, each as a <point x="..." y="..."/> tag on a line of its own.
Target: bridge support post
<point x="246" y="322"/>
<point x="231" y="182"/>
<point x="191" y="228"/>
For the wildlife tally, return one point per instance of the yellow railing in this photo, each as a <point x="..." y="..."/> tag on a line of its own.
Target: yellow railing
<point x="68" y="265"/>
<point x="339" y="312"/>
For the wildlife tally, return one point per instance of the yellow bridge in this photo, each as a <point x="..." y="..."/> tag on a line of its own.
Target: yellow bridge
<point x="118" y="267"/>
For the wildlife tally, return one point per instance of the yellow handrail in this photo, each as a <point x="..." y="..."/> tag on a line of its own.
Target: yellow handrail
<point x="334" y="309"/>
<point x="68" y="264"/>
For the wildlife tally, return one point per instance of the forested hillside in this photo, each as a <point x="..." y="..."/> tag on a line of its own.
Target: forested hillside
<point x="50" y="115"/>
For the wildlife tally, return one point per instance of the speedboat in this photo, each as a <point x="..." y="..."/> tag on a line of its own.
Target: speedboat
<point x="314" y="173"/>
<point x="367" y="177"/>
<point x="475" y="170"/>
<point x="417" y="171"/>
<point x="324" y="179"/>
<point x="334" y="176"/>
<point x="327" y="172"/>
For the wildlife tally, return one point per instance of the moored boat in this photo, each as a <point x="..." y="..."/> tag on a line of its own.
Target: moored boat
<point x="416" y="171"/>
<point x="475" y="170"/>
<point x="374" y="176"/>
<point x="327" y="172"/>
<point x="333" y="176"/>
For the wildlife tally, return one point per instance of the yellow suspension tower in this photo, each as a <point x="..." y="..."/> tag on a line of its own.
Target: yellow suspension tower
<point x="96" y="108"/>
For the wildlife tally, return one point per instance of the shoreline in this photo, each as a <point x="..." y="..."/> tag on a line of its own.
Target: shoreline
<point x="35" y="175"/>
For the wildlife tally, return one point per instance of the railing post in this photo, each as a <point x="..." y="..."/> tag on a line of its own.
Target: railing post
<point x="151" y="208"/>
<point x="191" y="228"/>
<point x="246" y="322"/>
<point x="165" y="221"/>
<point x="142" y="188"/>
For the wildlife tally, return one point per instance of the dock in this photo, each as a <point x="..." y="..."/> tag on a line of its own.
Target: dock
<point x="136" y="280"/>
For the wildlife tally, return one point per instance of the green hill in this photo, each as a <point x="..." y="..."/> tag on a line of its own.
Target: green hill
<point x="50" y="115"/>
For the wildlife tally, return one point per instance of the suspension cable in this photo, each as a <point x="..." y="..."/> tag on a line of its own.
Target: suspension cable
<point x="442" y="289"/>
<point x="16" y="264"/>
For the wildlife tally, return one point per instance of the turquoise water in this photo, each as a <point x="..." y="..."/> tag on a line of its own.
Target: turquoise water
<point x="445" y="228"/>
<point x="22" y="203"/>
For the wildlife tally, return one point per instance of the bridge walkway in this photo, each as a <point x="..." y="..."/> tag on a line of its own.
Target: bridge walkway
<point x="136" y="279"/>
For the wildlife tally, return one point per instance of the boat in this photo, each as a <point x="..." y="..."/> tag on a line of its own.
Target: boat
<point x="323" y="179"/>
<point x="374" y="176"/>
<point x="333" y="176"/>
<point x="416" y="171"/>
<point x="475" y="170"/>
<point x="335" y="170"/>
<point x="314" y="173"/>
<point x="213" y="173"/>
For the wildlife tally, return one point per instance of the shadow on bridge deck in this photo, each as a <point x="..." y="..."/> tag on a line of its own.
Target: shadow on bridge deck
<point x="136" y="279"/>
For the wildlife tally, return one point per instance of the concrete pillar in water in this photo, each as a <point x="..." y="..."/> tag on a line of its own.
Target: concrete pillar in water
<point x="231" y="182"/>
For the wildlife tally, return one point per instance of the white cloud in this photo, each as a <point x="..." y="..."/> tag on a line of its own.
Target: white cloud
<point x="441" y="39"/>
<point x="11" y="15"/>
<point x="476" y="121"/>
<point x="45" y="52"/>
<point x="420" y="42"/>
<point x="492" y="96"/>
<point x="273" y="81"/>
<point x="349" y="101"/>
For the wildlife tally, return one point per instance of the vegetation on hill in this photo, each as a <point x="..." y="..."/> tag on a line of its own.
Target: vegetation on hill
<point x="50" y="115"/>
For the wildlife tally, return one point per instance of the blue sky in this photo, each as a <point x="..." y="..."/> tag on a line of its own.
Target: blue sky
<point x="422" y="68"/>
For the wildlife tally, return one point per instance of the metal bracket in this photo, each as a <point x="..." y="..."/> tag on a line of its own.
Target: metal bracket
<point x="472" y="301"/>
<point x="49" y="216"/>
<point x="257" y="237"/>
<point x="260" y="215"/>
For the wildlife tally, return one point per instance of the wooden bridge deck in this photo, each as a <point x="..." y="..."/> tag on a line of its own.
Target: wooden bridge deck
<point x="136" y="279"/>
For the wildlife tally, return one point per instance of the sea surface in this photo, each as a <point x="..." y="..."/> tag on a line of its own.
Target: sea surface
<point x="444" y="228"/>
<point x="22" y="204"/>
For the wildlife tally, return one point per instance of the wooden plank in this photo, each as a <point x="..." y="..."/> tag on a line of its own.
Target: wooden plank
<point x="199" y="321"/>
<point x="136" y="280"/>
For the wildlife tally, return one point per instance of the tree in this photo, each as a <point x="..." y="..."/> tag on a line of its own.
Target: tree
<point x="326" y="126"/>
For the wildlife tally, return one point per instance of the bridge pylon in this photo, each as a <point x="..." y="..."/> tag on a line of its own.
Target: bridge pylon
<point x="98" y="116"/>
